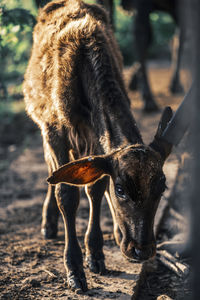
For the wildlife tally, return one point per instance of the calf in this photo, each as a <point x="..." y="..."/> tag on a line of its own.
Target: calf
<point x="143" y="39"/>
<point x="75" y="93"/>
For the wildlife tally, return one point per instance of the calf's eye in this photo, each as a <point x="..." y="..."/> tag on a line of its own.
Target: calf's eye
<point x="119" y="191"/>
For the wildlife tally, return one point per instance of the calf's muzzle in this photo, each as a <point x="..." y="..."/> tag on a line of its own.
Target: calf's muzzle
<point x="135" y="252"/>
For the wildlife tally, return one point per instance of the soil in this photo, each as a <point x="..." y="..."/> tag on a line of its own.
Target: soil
<point x="31" y="267"/>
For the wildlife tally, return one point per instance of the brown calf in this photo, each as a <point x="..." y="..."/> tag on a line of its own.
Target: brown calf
<point x="75" y="93"/>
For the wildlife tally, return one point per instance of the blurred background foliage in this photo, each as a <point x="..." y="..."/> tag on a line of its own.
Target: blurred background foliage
<point x="17" y="19"/>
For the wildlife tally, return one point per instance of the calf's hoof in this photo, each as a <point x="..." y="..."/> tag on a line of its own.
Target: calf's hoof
<point x="49" y="232"/>
<point x="96" y="265"/>
<point x="77" y="282"/>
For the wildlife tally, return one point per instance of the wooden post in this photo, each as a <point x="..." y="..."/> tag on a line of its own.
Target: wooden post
<point x="194" y="14"/>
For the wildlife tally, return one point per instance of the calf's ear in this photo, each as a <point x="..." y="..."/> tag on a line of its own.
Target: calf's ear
<point x="159" y="144"/>
<point x="164" y="120"/>
<point x="83" y="171"/>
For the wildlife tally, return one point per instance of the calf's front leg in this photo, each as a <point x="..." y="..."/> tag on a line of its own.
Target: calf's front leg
<point x="94" y="236"/>
<point x="67" y="199"/>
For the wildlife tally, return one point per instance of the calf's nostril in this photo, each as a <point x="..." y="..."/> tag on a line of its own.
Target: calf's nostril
<point x="144" y="254"/>
<point x="137" y="252"/>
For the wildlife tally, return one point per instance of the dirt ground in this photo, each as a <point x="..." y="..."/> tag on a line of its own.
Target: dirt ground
<point x="31" y="267"/>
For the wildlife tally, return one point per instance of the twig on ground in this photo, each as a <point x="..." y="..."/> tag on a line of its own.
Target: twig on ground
<point x="49" y="273"/>
<point x="180" y="269"/>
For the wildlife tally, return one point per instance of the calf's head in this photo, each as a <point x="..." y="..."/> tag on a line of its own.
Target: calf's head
<point x="136" y="185"/>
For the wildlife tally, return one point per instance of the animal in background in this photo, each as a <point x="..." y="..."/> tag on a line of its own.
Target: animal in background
<point x="142" y="40"/>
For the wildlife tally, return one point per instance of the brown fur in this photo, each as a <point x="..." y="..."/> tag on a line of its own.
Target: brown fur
<point x="66" y="31"/>
<point x="75" y="93"/>
<point x="52" y="70"/>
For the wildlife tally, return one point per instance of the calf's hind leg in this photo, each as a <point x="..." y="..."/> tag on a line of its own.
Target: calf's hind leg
<point x="50" y="210"/>
<point x="50" y="215"/>
<point x="67" y="198"/>
<point x="94" y="237"/>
